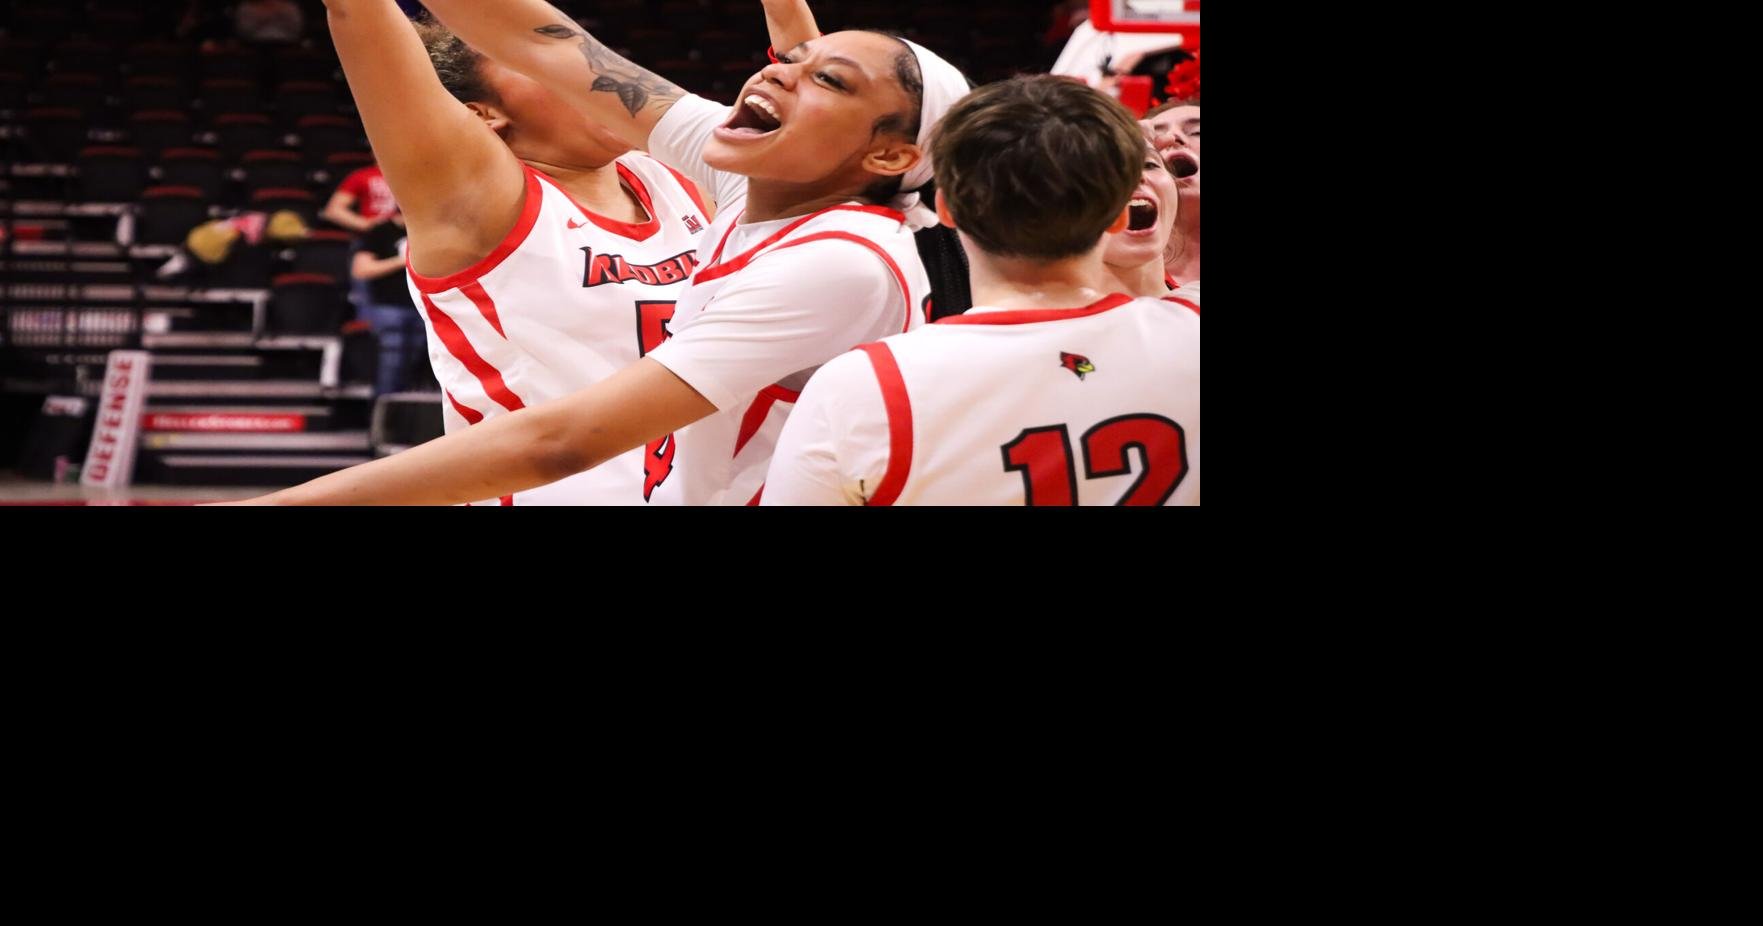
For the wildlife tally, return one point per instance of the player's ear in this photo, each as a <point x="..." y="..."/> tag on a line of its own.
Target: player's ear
<point x="944" y="216"/>
<point x="893" y="158"/>
<point x="495" y="118"/>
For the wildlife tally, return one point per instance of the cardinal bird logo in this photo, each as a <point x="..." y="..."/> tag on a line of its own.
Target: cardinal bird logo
<point x="1076" y="363"/>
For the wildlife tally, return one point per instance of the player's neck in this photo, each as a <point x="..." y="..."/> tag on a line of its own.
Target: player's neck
<point x="1015" y="283"/>
<point x="599" y="189"/>
<point x="1146" y="279"/>
<point x="768" y="201"/>
<point x="1185" y="265"/>
<point x="1184" y="262"/>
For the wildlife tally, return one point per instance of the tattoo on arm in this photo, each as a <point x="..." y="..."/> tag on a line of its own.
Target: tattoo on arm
<point x="636" y="87"/>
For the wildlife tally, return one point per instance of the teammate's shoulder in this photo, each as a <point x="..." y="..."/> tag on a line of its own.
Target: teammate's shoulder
<point x="928" y="340"/>
<point x="1185" y="301"/>
<point x="854" y="362"/>
<point x="846" y="376"/>
<point x="640" y="159"/>
<point x="874" y="221"/>
<point x="839" y="254"/>
<point x="1187" y="294"/>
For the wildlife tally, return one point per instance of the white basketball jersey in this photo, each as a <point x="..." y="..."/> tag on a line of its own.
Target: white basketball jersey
<point x="1091" y="406"/>
<point x="722" y="459"/>
<point x="566" y="300"/>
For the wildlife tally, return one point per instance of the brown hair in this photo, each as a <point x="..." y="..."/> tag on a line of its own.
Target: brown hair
<point x="1172" y="104"/>
<point x="456" y="63"/>
<point x="1037" y="167"/>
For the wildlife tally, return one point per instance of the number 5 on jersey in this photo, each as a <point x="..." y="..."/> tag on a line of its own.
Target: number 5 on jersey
<point x="652" y="319"/>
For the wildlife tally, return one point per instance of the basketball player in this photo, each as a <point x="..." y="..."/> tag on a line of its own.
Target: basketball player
<point x="544" y="256"/>
<point x="1175" y="131"/>
<point x="1134" y="257"/>
<point x="1051" y="390"/>
<point x="811" y="254"/>
<point x="1176" y="125"/>
<point x="1137" y="259"/>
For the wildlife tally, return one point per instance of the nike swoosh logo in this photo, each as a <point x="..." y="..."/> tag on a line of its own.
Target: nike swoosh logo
<point x="573" y="224"/>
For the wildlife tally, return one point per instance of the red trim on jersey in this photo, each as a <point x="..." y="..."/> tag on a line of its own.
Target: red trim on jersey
<point x="508" y="501"/>
<point x="1177" y="299"/>
<point x="471" y="415"/>
<point x="691" y="190"/>
<point x="1169" y="281"/>
<point x="900" y="278"/>
<point x="488" y="376"/>
<point x="725" y="236"/>
<point x="754" y="501"/>
<point x="717" y="270"/>
<point x="642" y="231"/>
<point x="760" y="410"/>
<point x="899" y="409"/>
<point x="485" y="305"/>
<point x="523" y="226"/>
<point x="1029" y="316"/>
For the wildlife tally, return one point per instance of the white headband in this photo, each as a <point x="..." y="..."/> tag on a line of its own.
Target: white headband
<point x="944" y="85"/>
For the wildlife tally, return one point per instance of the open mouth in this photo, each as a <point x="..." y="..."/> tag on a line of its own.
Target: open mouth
<point x="754" y="117"/>
<point x="1183" y="164"/>
<point x="1143" y="215"/>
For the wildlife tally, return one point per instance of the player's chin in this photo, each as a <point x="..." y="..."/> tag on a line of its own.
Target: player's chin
<point x="734" y="159"/>
<point x="1131" y="253"/>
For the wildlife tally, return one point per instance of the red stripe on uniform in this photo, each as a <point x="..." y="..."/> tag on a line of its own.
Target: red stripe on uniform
<point x="471" y="415"/>
<point x="754" y="501"/>
<point x="1028" y="316"/>
<point x="642" y="231"/>
<point x="485" y="306"/>
<point x="718" y="271"/>
<point x="1192" y="305"/>
<point x="899" y="278"/>
<point x="508" y="501"/>
<point x="899" y="409"/>
<point x="717" y="254"/>
<point x="523" y="226"/>
<point x="488" y="376"/>
<point x="760" y="410"/>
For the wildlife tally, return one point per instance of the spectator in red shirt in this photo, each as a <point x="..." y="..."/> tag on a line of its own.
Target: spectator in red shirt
<point x="361" y="201"/>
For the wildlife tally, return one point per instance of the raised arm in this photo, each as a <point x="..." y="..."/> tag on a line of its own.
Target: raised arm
<point x="536" y="39"/>
<point x="790" y="23"/>
<point x="459" y="186"/>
